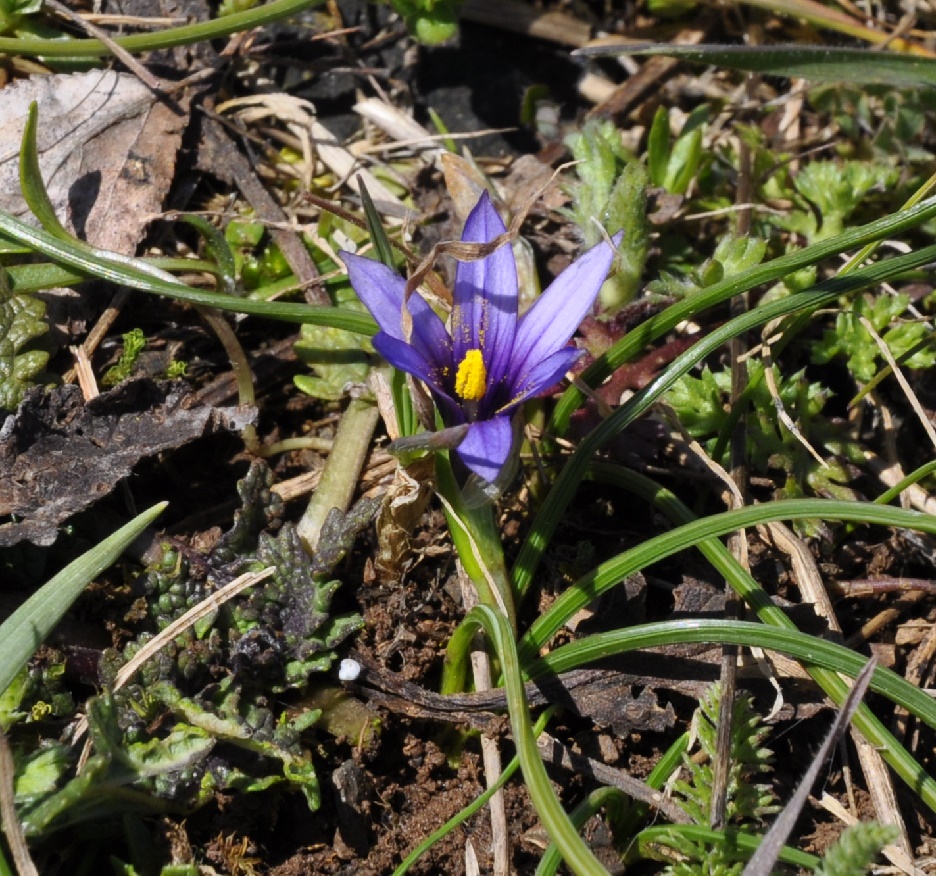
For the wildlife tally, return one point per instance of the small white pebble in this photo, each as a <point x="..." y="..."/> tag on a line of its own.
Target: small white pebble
<point x="349" y="670"/>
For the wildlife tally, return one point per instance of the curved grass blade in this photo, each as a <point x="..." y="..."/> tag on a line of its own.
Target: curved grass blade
<point x="375" y="229"/>
<point x="473" y="807"/>
<point x="611" y="572"/>
<point x="824" y="660"/>
<point x="165" y="39"/>
<point x="561" y="494"/>
<point x="137" y="274"/>
<point x="914" y="477"/>
<point x="699" y="834"/>
<point x="640" y="337"/>
<point x="219" y="249"/>
<point x="771" y="847"/>
<point x="605" y="796"/>
<point x="816" y="63"/>
<point x="748" y="589"/>
<point x="31" y="183"/>
<point x="24" y="630"/>
<point x="580" y="859"/>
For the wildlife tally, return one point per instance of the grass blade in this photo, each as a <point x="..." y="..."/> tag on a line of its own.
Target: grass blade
<point x="165" y="39"/>
<point x="638" y="338"/>
<point x="763" y="860"/>
<point x="816" y="63"/>
<point x="561" y="494"/>
<point x="24" y="630"/>
<point x="138" y="275"/>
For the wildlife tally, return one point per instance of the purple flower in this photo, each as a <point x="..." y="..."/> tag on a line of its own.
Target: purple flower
<point x="490" y="361"/>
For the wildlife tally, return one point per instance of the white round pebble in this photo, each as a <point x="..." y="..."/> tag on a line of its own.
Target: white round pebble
<point x="349" y="670"/>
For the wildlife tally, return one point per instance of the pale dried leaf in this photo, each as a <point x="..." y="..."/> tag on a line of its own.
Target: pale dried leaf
<point x="107" y="151"/>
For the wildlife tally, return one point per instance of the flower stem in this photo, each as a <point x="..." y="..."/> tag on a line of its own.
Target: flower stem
<point x="342" y="469"/>
<point x="477" y="541"/>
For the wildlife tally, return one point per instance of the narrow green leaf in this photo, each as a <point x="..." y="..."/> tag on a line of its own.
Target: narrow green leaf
<point x="748" y="842"/>
<point x="219" y="250"/>
<point x="748" y="589"/>
<point x="816" y="63"/>
<point x="579" y="857"/>
<point x="822" y="658"/>
<point x="820" y="295"/>
<point x="636" y="340"/>
<point x="164" y="39"/>
<point x="653" y="550"/>
<point x="25" y="630"/>
<point x="34" y="190"/>
<point x="658" y="146"/>
<point x="137" y="274"/>
<point x="375" y="227"/>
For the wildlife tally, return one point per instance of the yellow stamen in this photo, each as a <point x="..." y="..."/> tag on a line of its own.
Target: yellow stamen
<point x="471" y="379"/>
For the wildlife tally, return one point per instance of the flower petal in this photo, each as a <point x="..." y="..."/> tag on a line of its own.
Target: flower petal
<point x="542" y="376"/>
<point x="407" y="358"/>
<point x="557" y="313"/>
<point x="484" y="316"/>
<point x="381" y="291"/>
<point x="487" y="446"/>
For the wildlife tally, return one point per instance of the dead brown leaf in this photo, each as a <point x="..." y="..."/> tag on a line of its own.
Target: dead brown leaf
<point x="107" y="151"/>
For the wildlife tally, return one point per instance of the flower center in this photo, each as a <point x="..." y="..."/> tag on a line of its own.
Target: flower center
<point x="471" y="377"/>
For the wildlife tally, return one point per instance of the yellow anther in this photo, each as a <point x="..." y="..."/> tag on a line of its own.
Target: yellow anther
<point x="471" y="379"/>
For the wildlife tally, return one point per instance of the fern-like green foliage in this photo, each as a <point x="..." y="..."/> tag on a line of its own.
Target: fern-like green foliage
<point x="748" y="801"/>
<point x="856" y="849"/>
<point x="833" y="190"/>
<point x="612" y="187"/>
<point x="851" y="340"/>
<point x="732" y="256"/>
<point x="702" y="405"/>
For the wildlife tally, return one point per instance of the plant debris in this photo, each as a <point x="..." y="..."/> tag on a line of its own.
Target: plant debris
<point x="61" y="454"/>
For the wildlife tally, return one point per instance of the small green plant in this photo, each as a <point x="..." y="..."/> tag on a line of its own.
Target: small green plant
<point x="229" y="7"/>
<point x="673" y="164"/>
<point x="879" y="119"/>
<point x="748" y="801"/>
<point x="612" y="188"/>
<point x="176" y="370"/>
<point x="732" y="256"/>
<point x="208" y="691"/>
<point x="430" y="21"/>
<point x="258" y="261"/>
<point x="702" y="405"/>
<point x="339" y="360"/>
<point x="829" y="192"/>
<point x="22" y="17"/>
<point x="22" y="321"/>
<point x="134" y="342"/>
<point x="910" y="341"/>
<point x="857" y="849"/>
